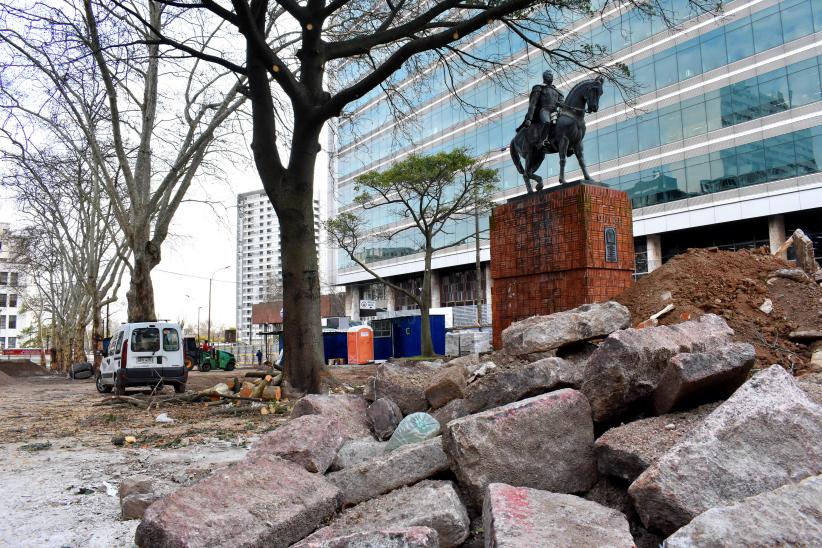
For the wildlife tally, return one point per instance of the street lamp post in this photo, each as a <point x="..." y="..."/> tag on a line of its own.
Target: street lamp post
<point x="208" y="338"/>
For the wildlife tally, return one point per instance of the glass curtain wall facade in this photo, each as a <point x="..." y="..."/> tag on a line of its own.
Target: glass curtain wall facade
<point x="726" y="102"/>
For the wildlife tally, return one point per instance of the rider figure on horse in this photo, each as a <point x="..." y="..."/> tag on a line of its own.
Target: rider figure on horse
<point x="544" y="100"/>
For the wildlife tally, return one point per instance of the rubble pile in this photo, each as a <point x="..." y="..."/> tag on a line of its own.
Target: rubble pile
<point x="581" y="431"/>
<point x="762" y="298"/>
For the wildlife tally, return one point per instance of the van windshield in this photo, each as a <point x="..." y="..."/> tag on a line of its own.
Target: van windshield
<point x="171" y="339"/>
<point x="145" y="339"/>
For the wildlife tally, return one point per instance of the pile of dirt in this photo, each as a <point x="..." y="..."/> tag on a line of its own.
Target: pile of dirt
<point x="734" y="285"/>
<point x="22" y="368"/>
<point x="5" y="380"/>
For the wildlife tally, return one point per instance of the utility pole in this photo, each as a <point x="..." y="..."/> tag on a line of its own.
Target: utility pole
<point x="198" y="323"/>
<point x="208" y="337"/>
<point x="478" y="287"/>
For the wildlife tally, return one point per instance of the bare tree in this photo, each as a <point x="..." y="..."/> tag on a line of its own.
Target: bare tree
<point x="77" y="71"/>
<point x="364" y="43"/>
<point x="73" y="250"/>
<point x="430" y="194"/>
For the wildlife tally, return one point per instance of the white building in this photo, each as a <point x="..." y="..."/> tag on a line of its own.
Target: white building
<point x="259" y="267"/>
<point x="12" y="283"/>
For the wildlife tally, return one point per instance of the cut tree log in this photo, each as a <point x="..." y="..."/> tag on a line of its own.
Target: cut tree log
<point x="261" y="385"/>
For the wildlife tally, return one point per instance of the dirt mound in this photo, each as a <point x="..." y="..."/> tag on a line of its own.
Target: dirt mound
<point x="733" y="284"/>
<point x="22" y="368"/>
<point x="5" y="380"/>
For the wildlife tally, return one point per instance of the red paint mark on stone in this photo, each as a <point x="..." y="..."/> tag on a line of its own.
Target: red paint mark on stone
<point x="516" y="506"/>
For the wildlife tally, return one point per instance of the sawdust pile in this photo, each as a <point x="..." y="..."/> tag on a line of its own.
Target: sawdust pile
<point x="734" y="285"/>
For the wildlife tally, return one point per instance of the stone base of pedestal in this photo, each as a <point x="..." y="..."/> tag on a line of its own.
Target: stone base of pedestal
<point x="557" y="249"/>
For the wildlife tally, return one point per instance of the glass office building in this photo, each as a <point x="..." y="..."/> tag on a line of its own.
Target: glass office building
<point x="722" y="147"/>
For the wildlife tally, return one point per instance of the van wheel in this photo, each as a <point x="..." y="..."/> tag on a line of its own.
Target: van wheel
<point x="101" y="387"/>
<point x="179" y="388"/>
<point x="230" y="365"/>
<point x="205" y="367"/>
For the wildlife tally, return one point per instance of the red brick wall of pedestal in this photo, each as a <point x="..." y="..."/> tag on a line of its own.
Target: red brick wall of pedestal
<point x="548" y="251"/>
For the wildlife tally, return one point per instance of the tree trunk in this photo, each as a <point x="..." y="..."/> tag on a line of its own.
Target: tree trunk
<point x="301" y="280"/>
<point x="426" y="343"/>
<point x="290" y="191"/>
<point x="97" y="335"/>
<point x="141" y="291"/>
<point x="79" y="347"/>
<point x="61" y="345"/>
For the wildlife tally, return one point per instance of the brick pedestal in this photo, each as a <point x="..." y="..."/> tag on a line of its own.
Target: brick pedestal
<point x="549" y="251"/>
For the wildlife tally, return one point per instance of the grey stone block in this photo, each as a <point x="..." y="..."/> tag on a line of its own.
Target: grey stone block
<point x="546" y="333"/>
<point x="764" y="436"/>
<point x="433" y="504"/>
<point x="390" y="537"/>
<point x="519" y="517"/>
<point x="383" y="417"/>
<point x="625" y="370"/>
<point x="356" y="451"/>
<point x="267" y="502"/>
<point x="544" y="442"/>
<point x="404" y="466"/>
<point x="788" y="516"/>
<point x="509" y="384"/>
<point x="628" y="450"/>
<point x="348" y="409"/>
<point x="448" y="384"/>
<point x="700" y="377"/>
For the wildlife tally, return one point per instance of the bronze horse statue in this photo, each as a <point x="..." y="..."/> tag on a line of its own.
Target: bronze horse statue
<point x="566" y="137"/>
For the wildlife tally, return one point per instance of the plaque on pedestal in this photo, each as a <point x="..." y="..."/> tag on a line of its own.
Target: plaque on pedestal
<point x="558" y="249"/>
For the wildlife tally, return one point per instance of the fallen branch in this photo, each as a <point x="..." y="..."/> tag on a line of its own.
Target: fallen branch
<point x="241" y="398"/>
<point x="235" y="410"/>
<point x="258" y="374"/>
<point x="114" y="400"/>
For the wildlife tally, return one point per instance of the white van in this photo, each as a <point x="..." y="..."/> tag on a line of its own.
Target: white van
<point x="143" y="354"/>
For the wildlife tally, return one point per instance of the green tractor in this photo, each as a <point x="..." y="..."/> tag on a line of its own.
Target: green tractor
<point x="205" y="359"/>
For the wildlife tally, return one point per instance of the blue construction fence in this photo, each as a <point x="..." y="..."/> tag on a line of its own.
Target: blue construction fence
<point x="393" y="338"/>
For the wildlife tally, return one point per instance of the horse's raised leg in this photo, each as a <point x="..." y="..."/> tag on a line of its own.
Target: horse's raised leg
<point x="581" y="159"/>
<point x="562" y="148"/>
<point x="532" y="163"/>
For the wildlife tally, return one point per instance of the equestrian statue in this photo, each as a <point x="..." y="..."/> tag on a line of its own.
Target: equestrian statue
<point x="554" y="124"/>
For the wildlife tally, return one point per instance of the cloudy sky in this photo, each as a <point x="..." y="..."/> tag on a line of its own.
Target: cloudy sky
<point x="202" y="241"/>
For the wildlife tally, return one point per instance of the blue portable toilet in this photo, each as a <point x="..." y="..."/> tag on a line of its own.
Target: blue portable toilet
<point x="335" y="345"/>
<point x="406" y="335"/>
<point x="383" y="339"/>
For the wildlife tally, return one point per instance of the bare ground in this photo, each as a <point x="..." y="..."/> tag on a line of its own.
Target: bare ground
<point x="65" y="495"/>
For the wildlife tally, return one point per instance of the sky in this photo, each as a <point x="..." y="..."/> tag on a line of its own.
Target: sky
<point x="202" y="240"/>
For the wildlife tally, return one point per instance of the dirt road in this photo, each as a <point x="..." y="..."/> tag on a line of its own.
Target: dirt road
<point x="66" y="494"/>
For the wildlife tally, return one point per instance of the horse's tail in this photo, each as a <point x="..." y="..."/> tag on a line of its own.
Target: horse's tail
<point x="514" y="150"/>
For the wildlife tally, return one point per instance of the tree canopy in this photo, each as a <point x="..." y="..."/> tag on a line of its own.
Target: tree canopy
<point x="431" y="193"/>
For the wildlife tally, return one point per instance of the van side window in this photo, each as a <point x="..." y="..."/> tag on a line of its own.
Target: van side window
<point x="171" y="339"/>
<point x="117" y="344"/>
<point x="145" y="339"/>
